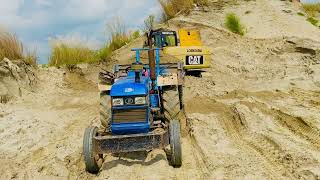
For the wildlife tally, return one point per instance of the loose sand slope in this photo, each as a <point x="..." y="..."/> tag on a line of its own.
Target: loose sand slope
<point x="254" y="114"/>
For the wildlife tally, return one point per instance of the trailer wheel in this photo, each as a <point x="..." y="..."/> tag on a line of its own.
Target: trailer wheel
<point x="93" y="161"/>
<point x="105" y="110"/>
<point x="175" y="145"/>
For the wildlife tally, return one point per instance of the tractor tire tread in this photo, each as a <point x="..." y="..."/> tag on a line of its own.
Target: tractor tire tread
<point x="90" y="162"/>
<point x="105" y="110"/>
<point x="175" y="144"/>
<point x="172" y="104"/>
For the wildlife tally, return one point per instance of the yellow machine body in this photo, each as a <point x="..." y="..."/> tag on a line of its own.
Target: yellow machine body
<point x="189" y="37"/>
<point x="190" y="50"/>
<point x="194" y="57"/>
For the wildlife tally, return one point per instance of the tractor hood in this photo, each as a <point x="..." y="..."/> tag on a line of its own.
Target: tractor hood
<point x="128" y="87"/>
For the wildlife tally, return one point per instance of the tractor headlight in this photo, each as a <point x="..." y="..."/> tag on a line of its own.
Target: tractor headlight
<point x="140" y="100"/>
<point x="117" y="102"/>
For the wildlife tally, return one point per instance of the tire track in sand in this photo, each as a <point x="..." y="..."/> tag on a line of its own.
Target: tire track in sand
<point x="288" y="164"/>
<point x="297" y="125"/>
<point x="200" y="157"/>
<point x="265" y="149"/>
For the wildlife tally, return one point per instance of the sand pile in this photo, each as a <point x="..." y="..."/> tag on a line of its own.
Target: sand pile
<point x="14" y="77"/>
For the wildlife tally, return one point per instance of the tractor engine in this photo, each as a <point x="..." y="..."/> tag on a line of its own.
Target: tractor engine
<point x="130" y="109"/>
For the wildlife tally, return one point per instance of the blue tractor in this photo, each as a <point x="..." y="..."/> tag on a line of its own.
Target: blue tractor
<point x="141" y="109"/>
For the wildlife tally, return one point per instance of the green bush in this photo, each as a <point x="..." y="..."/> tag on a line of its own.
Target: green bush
<point x="135" y="34"/>
<point x="232" y="22"/>
<point x="63" y="54"/>
<point x="313" y="21"/>
<point x="300" y="14"/>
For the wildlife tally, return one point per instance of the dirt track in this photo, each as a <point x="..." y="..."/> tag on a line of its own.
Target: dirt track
<point x="254" y="114"/>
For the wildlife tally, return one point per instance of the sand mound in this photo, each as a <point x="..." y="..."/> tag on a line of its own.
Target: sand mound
<point x="14" y="77"/>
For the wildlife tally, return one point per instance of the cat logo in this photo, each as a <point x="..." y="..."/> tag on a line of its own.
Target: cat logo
<point x="194" y="60"/>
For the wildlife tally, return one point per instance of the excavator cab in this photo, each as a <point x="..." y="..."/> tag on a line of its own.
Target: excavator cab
<point x="162" y="38"/>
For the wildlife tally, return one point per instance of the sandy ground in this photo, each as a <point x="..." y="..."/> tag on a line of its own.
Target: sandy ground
<point x="253" y="115"/>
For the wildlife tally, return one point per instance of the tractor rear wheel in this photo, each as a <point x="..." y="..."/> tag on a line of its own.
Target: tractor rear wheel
<point x="93" y="161"/>
<point x="105" y="111"/>
<point x="173" y="107"/>
<point x="175" y="145"/>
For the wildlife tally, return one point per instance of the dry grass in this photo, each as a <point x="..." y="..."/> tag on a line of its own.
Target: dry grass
<point x="31" y="58"/>
<point x="312" y="9"/>
<point x="63" y="54"/>
<point x="149" y="23"/>
<point x="119" y="37"/>
<point x="117" y="41"/>
<point x="12" y="48"/>
<point x="173" y="7"/>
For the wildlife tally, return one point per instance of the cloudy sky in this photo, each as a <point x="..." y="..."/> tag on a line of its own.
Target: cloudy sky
<point x="311" y="1"/>
<point x="36" y="21"/>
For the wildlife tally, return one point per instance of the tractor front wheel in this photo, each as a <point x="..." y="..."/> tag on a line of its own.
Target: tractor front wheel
<point x="175" y="145"/>
<point x="105" y="111"/>
<point x="93" y="161"/>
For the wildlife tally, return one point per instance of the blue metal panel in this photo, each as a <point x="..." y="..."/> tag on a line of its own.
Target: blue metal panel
<point x="128" y="87"/>
<point x="157" y="67"/>
<point x="158" y="61"/>
<point x="138" y="56"/>
<point x="131" y="74"/>
<point x="130" y="128"/>
<point x="154" y="100"/>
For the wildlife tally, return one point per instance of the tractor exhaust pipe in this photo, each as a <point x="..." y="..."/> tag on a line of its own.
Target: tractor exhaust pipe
<point x="152" y="61"/>
<point x="137" y="77"/>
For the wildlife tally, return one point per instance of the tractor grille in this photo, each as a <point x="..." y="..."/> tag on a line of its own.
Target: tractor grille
<point x="129" y="116"/>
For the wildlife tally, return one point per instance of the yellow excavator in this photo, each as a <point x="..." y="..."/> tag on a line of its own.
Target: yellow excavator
<point x="185" y="46"/>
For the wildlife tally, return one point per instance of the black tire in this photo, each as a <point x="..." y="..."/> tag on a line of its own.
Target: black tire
<point x="175" y="145"/>
<point x="194" y="73"/>
<point x="180" y="90"/>
<point x="105" y="111"/>
<point x="172" y="108"/>
<point x="93" y="161"/>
